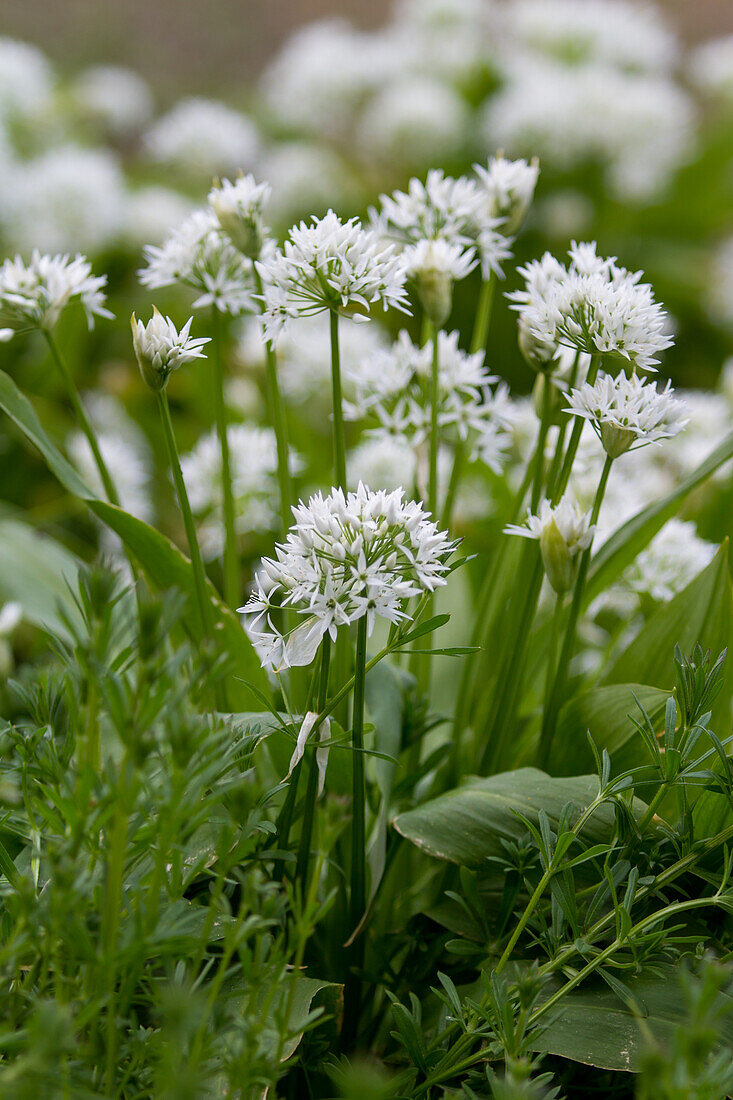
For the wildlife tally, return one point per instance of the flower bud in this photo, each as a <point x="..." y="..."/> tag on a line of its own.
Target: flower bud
<point x="238" y="209"/>
<point x="538" y="354"/>
<point x="161" y="349"/>
<point x="435" y="290"/>
<point x="616" y="440"/>
<point x="556" y="557"/>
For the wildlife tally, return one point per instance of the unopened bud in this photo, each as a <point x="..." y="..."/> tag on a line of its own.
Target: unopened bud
<point x="556" y="557"/>
<point x="616" y="441"/>
<point x="538" y="354"/>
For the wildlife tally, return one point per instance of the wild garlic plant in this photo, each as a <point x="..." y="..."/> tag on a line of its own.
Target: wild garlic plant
<point x="393" y="779"/>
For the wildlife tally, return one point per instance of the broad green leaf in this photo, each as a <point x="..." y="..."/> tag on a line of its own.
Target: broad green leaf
<point x="602" y="711"/>
<point x="38" y="572"/>
<point x="163" y="563"/>
<point x="624" y="546"/>
<point x="592" y="1025"/>
<point x="297" y="999"/>
<point x="385" y="704"/>
<point x="467" y="825"/>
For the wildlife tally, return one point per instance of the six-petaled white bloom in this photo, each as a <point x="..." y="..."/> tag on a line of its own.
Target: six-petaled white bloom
<point x="348" y="556"/>
<point x="592" y="305"/>
<point x="34" y="295"/>
<point x="627" y="413"/>
<point x="563" y="531"/>
<point x="160" y="348"/>
<point x="330" y="265"/>
<point x="238" y="208"/>
<point x="455" y="210"/>
<point x="510" y="185"/>
<point x="392" y="391"/>
<point x="434" y="265"/>
<point x="198" y="255"/>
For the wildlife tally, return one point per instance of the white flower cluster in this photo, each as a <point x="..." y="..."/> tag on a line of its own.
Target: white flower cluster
<point x="203" y="136"/>
<point x="710" y="68"/>
<point x="671" y="560"/>
<point x="348" y="556"/>
<point x="330" y="265"/>
<point x="392" y="388"/>
<point x="460" y="212"/>
<point x="627" y="413"/>
<point x="253" y="468"/>
<point x="34" y="294"/>
<point x="112" y="98"/>
<point x="198" y="255"/>
<point x="591" y="305"/>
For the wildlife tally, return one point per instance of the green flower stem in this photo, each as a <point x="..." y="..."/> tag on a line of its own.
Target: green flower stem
<point x="575" y="435"/>
<point x="276" y="410"/>
<point x="82" y="419"/>
<point x="302" y="866"/>
<point x="231" y="557"/>
<point x="339" y="438"/>
<point x="557" y="457"/>
<point x="482" y="321"/>
<point x="434" y="429"/>
<point x="193" y="544"/>
<point x="510" y="677"/>
<point x="483" y="621"/>
<point x="552" y="645"/>
<point x="558" y="688"/>
<point x="112" y="907"/>
<point x="357" y="902"/>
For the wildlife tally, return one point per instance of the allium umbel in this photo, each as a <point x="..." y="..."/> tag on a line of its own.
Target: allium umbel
<point x="563" y="532"/>
<point x="160" y="348"/>
<point x="593" y="306"/>
<point x="34" y="295"/>
<point x="346" y="557"/>
<point x="510" y="185"/>
<point x="627" y="413"/>
<point x="330" y="265"/>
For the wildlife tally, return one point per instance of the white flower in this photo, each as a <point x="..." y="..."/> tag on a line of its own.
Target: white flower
<point x="304" y="176"/>
<point x="386" y="462"/>
<point x="563" y="532"/>
<point x="618" y="32"/>
<point x="253" y="469"/>
<point x="26" y="79"/>
<point x="593" y="306"/>
<point x="330" y="264"/>
<point x="638" y="127"/>
<point x="348" y="556"/>
<point x="66" y="199"/>
<point x="151" y="212"/>
<point x="238" y="208"/>
<point x="626" y="412"/>
<point x="510" y="185"/>
<point x="11" y="615"/>
<point x="160" y="348"/>
<point x="710" y="68"/>
<point x="114" y="98"/>
<point x="35" y="294"/>
<point x="392" y="389"/>
<point x="198" y="255"/>
<point x="672" y="559"/>
<point x="454" y="210"/>
<point x="203" y="135"/>
<point x="413" y="120"/>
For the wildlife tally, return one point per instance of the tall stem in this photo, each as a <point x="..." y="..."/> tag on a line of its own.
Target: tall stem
<point x="276" y="410"/>
<point x="357" y="902"/>
<point x="455" y="478"/>
<point x="231" y="558"/>
<point x="481" y="324"/>
<point x="82" y="419"/>
<point x="302" y="866"/>
<point x="339" y="438"/>
<point x="575" y="435"/>
<point x="558" y="688"/>
<point x="552" y="645"/>
<point x="434" y="433"/>
<point x="197" y="564"/>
